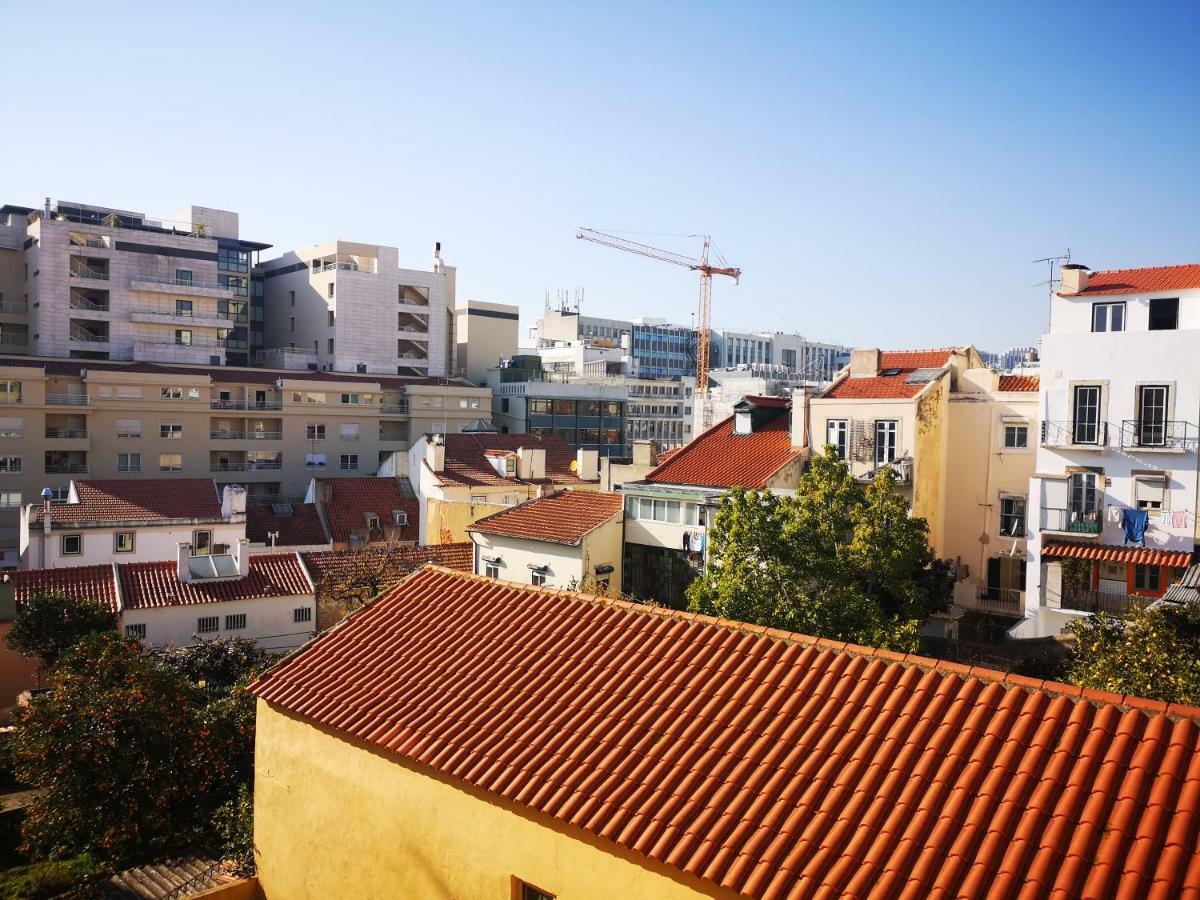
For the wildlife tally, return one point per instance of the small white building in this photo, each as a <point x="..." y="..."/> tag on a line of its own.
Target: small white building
<point x="571" y="539"/>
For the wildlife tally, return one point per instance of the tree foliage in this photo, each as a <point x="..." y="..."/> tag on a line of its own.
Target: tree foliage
<point x="345" y="588"/>
<point x="48" y="625"/>
<point x="1151" y="652"/>
<point x="218" y="663"/>
<point x="833" y="560"/>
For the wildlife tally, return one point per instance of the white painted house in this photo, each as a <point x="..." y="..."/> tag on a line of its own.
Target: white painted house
<point x="1120" y="409"/>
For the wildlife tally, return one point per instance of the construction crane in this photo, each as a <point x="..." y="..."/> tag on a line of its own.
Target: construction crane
<point x="704" y="319"/>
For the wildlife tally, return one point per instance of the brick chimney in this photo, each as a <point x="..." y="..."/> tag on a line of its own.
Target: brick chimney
<point x="1074" y="278"/>
<point x="864" y="362"/>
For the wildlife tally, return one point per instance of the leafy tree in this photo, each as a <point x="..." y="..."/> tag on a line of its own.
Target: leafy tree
<point x="1147" y="652"/>
<point x="219" y="663"/>
<point x="127" y="768"/>
<point x="833" y="560"/>
<point x="48" y="625"/>
<point x="345" y="588"/>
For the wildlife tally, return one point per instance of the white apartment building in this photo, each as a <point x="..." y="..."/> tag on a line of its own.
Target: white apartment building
<point x="350" y="307"/>
<point x="97" y="282"/>
<point x="812" y="360"/>
<point x="1120" y="397"/>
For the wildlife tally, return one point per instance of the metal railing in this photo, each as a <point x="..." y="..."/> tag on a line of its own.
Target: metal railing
<point x="1074" y="434"/>
<point x="1001" y="600"/>
<point x="89" y="272"/>
<point x="257" y="405"/>
<point x="14" y="340"/>
<point x="1098" y="601"/>
<point x="67" y="400"/>
<point x="82" y="334"/>
<point x="222" y="435"/>
<point x="171" y="342"/>
<point x="66" y="432"/>
<point x="1073" y="520"/>
<point x="14" y="306"/>
<point x="79" y="240"/>
<point x="393" y="409"/>
<point x="344" y="266"/>
<point x="260" y="465"/>
<point x="66" y="468"/>
<point x="90" y="305"/>
<point x="1164" y="434"/>
<point x="171" y="281"/>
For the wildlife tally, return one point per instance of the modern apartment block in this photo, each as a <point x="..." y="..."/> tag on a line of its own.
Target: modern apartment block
<point x="110" y="284"/>
<point x="586" y="412"/>
<point x="812" y="360"/>
<point x="349" y="307"/>
<point x="1115" y="489"/>
<point x="484" y="334"/>
<point x="657" y="348"/>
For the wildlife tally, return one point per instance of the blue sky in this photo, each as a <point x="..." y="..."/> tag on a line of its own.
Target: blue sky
<point x="884" y="173"/>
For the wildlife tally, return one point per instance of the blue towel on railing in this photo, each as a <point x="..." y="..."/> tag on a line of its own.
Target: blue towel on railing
<point x="1133" y="523"/>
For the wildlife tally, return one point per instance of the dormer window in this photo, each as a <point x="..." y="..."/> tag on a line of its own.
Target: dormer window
<point x="741" y="422"/>
<point x="510" y="465"/>
<point x="372" y="522"/>
<point x="889" y="373"/>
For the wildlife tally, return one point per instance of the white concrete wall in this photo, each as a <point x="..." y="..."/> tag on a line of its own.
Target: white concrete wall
<point x="151" y="544"/>
<point x="269" y="620"/>
<point x="565" y="562"/>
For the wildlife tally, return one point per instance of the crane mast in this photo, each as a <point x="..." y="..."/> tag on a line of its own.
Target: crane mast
<point x="704" y="317"/>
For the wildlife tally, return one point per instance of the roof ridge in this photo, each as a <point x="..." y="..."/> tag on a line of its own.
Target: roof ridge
<point x="994" y="676"/>
<point x="1144" y="268"/>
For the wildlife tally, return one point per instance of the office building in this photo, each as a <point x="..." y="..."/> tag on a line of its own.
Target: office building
<point x="484" y="334"/>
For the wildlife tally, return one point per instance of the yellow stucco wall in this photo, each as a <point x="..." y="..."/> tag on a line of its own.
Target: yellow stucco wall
<point x="335" y="819"/>
<point x="929" y="449"/>
<point x="446" y="522"/>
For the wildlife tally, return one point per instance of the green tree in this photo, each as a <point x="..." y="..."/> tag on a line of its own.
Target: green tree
<point x="1147" y="652"/>
<point x="217" y="664"/>
<point x="833" y="560"/>
<point x="48" y="625"/>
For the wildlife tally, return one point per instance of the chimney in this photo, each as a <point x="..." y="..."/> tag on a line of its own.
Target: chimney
<point x="47" y="208"/>
<point x="1074" y="278"/>
<point x="435" y="452"/>
<point x="864" y="362"/>
<point x="241" y="552"/>
<point x="587" y="464"/>
<point x="531" y="463"/>
<point x="643" y="453"/>
<point x="47" y="496"/>
<point x="183" y="569"/>
<point x="437" y="256"/>
<point x="233" y="501"/>
<point x="799" y="418"/>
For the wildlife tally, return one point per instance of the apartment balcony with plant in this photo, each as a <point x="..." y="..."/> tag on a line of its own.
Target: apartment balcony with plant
<point x="88" y="241"/>
<point x="241" y="429"/>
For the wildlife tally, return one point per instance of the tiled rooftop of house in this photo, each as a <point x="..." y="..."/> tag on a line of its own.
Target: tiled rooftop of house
<point x="1022" y="383"/>
<point x="1146" y="556"/>
<point x="341" y="564"/>
<point x="767" y="763"/>
<point x="1141" y="281"/>
<point x="895" y="379"/>
<point x="146" y="499"/>
<point x="467" y="463"/>
<point x="77" y="582"/>
<point x="562" y="518"/>
<point x="153" y="584"/>
<point x="350" y="501"/>
<point x="718" y="458"/>
<point x="293" y="524"/>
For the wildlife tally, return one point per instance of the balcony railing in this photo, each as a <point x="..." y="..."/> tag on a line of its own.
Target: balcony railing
<point x="66" y="468"/>
<point x="247" y="404"/>
<point x="66" y="432"/>
<point x="67" y="399"/>
<point x="78" y="302"/>
<point x="245" y="435"/>
<point x="88" y="240"/>
<point x="1098" y="601"/>
<point x="1073" y="520"/>
<point x="12" y="339"/>
<point x="1001" y="600"/>
<point x="89" y="272"/>
<point x="1074" y="434"/>
<point x="261" y="465"/>
<point x="19" y="307"/>
<point x="393" y="409"/>
<point x="344" y="266"/>
<point x="1169" y="434"/>
<point x="91" y="337"/>
<point x="181" y="282"/>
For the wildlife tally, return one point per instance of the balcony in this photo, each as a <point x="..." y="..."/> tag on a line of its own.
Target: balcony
<point x="187" y="318"/>
<point x="96" y="269"/>
<point x="1006" y="601"/>
<point x="58" y="463"/>
<point x="1162" y="436"/>
<point x="67" y="400"/>
<point x="866" y="470"/>
<point x="1099" y="601"/>
<point x="14" y="307"/>
<point x="168" y="284"/>
<point x="1081" y="520"/>
<point x="92" y="241"/>
<point x="89" y="300"/>
<point x="1075" y="435"/>
<point x="14" y="338"/>
<point x="394" y="409"/>
<point x="257" y="405"/>
<point x="89" y="332"/>
<point x="65" y="433"/>
<point x="245" y="435"/>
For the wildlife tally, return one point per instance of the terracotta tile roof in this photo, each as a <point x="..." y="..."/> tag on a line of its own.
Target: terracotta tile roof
<point x="667" y="455"/>
<point x="148" y="585"/>
<point x="466" y="458"/>
<point x="562" y="518"/>
<point x="129" y="500"/>
<point x="302" y="528"/>
<point x="406" y="559"/>
<point x="350" y="499"/>
<point x="1108" y="553"/>
<point x="77" y="582"/>
<point x="1024" y="383"/>
<point x="719" y="458"/>
<point x="770" y="764"/>
<point x="891" y="387"/>
<point x="1141" y="281"/>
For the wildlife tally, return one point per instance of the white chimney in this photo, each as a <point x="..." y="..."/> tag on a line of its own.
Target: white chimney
<point x="437" y="256"/>
<point x="241" y="553"/>
<point x="1074" y="278"/>
<point x="587" y="464"/>
<point x="233" y="501"/>
<point x="435" y="452"/>
<point x="531" y="463"/>
<point x="643" y="453"/>
<point x="864" y="362"/>
<point x="183" y="569"/>
<point x="799" y="418"/>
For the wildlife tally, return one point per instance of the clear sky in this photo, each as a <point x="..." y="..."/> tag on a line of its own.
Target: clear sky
<point x="883" y="172"/>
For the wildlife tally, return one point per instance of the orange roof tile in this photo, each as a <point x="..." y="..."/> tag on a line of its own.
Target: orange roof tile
<point x="406" y="559"/>
<point x="132" y="499"/>
<point x="719" y="458"/>
<point x="1144" y="556"/>
<point x="153" y="584"/>
<point x="467" y="463"/>
<point x="77" y="582"/>
<point x="302" y="528"/>
<point x="1023" y="383"/>
<point x="350" y="499"/>
<point x="1141" y="281"/>
<point x="891" y="387"/>
<point x="562" y="518"/>
<point x="769" y="764"/>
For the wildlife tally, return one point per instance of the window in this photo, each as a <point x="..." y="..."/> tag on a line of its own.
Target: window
<point x="10" y="465"/>
<point x="292" y="298"/>
<point x="176" y="392"/>
<point x="170" y="431"/>
<point x="352" y="399"/>
<point x="835" y="433"/>
<point x="510" y="465"/>
<point x="136" y="631"/>
<point x="314" y="397"/>
<point x="349" y="462"/>
<point x="885" y="440"/>
<point x="183" y="307"/>
<point x="1149" y="492"/>
<point x="129" y="428"/>
<point x="10" y="499"/>
<point x="330" y="346"/>
<point x="1012" y="516"/>
<point x="235" y="622"/>
<point x="1108" y="317"/>
<point x="529" y="892"/>
<point x="183" y="276"/>
<point x="235" y="283"/>
<point x="503" y="404"/>
<point x="10" y="392"/>
<point x="72" y="544"/>
<point x="129" y="392"/>
<point x="208" y="624"/>
<point x="129" y="462"/>
<point x="12" y="428"/>
<point x="331" y="318"/>
<point x="1164" y="314"/>
<point x="1016" y="437"/>
<point x="1147" y="578"/>
<point x="329" y="291"/>
<point x="1085" y="428"/>
<point x="314" y="460"/>
<point x="537" y="577"/>
<point x="349" y="431"/>
<point x="491" y="569"/>
<point x="123" y="542"/>
<point x="232" y="259"/>
<point x="302" y="614"/>
<point x="631" y="507"/>
<point x="314" y="432"/>
<point x="1082" y="496"/>
<point x="201" y="543"/>
<point x="183" y="336"/>
<point x="292" y="322"/>
<point x="1152" y="415"/>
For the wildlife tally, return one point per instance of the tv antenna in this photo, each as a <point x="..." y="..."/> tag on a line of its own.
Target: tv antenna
<point x="1051" y="281"/>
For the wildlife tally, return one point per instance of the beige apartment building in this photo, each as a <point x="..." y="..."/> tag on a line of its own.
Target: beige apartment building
<point x="270" y="430"/>
<point x="484" y="334"/>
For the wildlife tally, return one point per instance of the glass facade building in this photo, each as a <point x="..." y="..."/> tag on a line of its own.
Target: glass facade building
<point x="582" y="424"/>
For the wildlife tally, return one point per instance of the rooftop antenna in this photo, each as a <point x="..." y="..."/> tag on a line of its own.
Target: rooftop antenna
<point x="1051" y="282"/>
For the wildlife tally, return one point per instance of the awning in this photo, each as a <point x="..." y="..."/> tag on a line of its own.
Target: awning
<point x="1145" y="556"/>
<point x="604" y="569"/>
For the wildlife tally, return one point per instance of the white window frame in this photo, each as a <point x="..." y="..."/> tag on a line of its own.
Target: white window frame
<point x="837" y="433"/>
<point x="1015" y="430"/>
<point x="235" y="622"/>
<point x="491" y="570"/>
<point x="208" y="624"/>
<point x="1019" y="513"/>
<point x="166" y="462"/>
<point x="62" y="545"/>
<point x="1102" y="314"/>
<point x="886" y="451"/>
<point x="118" y="535"/>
